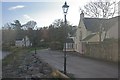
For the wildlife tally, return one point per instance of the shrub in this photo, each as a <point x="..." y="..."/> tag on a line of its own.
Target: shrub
<point x="56" y="46"/>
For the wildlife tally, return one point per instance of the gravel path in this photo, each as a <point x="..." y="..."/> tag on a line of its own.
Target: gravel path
<point x="28" y="66"/>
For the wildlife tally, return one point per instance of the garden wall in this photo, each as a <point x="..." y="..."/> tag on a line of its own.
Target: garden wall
<point x="104" y="50"/>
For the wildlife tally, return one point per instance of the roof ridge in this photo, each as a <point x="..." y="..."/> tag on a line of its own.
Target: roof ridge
<point x="102" y="18"/>
<point x="96" y="18"/>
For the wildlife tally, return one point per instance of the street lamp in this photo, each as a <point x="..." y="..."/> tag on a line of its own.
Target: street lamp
<point x="65" y="9"/>
<point x="35" y="37"/>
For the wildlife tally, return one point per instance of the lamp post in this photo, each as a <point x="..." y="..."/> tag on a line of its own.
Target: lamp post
<point x="65" y="9"/>
<point x="35" y="37"/>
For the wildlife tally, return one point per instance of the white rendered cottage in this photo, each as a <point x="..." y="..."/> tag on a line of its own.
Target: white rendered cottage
<point x="24" y="42"/>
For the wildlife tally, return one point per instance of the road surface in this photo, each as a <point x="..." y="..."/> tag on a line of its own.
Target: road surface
<point x="80" y="67"/>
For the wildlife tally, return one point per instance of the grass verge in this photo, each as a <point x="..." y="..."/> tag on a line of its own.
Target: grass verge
<point x="15" y="53"/>
<point x="37" y="48"/>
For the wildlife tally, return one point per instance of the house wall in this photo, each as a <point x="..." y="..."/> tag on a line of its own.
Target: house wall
<point x="113" y="32"/>
<point x="77" y="45"/>
<point x="19" y="43"/>
<point x="81" y="33"/>
<point x="28" y="43"/>
<point x="96" y="38"/>
<point x="24" y="42"/>
<point x="82" y="30"/>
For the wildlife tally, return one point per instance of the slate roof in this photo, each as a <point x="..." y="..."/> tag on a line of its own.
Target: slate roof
<point x="93" y="24"/>
<point x="19" y="38"/>
<point x="89" y="37"/>
<point x="69" y="40"/>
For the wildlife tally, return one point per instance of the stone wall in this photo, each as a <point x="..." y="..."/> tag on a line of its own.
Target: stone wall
<point x="105" y="50"/>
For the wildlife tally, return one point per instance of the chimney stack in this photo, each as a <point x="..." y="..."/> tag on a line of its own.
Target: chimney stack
<point x="82" y="15"/>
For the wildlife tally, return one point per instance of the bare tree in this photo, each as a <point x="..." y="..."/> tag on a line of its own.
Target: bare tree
<point x="100" y="9"/>
<point x="17" y="25"/>
<point x="58" y="23"/>
<point x="7" y="26"/>
<point x="30" y="24"/>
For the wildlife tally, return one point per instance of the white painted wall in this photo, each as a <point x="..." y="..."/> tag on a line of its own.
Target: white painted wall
<point x="24" y="42"/>
<point x="19" y="43"/>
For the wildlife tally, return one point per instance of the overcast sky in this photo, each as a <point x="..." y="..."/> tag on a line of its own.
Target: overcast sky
<point x="44" y="12"/>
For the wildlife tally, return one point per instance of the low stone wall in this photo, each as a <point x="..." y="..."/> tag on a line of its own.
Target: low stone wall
<point x="105" y="50"/>
<point x="58" y="74"/>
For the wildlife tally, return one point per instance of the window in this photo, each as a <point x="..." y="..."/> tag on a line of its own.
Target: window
<point x="69" y="45"/>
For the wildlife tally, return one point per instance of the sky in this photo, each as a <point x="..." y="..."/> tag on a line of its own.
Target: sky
<point x="44" y="12"/>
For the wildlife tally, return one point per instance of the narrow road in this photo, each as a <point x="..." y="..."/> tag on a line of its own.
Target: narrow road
<point x="79" y="66"/>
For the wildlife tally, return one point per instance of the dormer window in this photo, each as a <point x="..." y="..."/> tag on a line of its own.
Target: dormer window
<point x="82" y="15"/>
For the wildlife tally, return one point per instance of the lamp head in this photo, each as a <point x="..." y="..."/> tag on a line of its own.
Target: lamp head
<point x="65" y="8"/>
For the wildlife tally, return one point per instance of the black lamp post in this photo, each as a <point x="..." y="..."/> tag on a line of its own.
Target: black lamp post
<point x="35" y="37"/>
<point x="65" y="9"/>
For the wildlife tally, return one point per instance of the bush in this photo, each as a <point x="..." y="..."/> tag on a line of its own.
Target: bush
<point x="5" y="48"/>
<point x="56" y="46"/>
<point x="42" y="44"/>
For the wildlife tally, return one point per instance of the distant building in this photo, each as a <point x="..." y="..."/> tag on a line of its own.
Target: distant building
<point x="23" y="42"/>
<point x="19" y="43"/>
<point x="69" y="44"/>
<point x="70" y="40"/>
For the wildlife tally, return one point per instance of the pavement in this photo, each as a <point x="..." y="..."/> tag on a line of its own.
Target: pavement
<point x="80" y="67"/>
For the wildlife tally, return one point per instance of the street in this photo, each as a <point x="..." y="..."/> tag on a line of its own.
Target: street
<point x="80" y="67"/>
